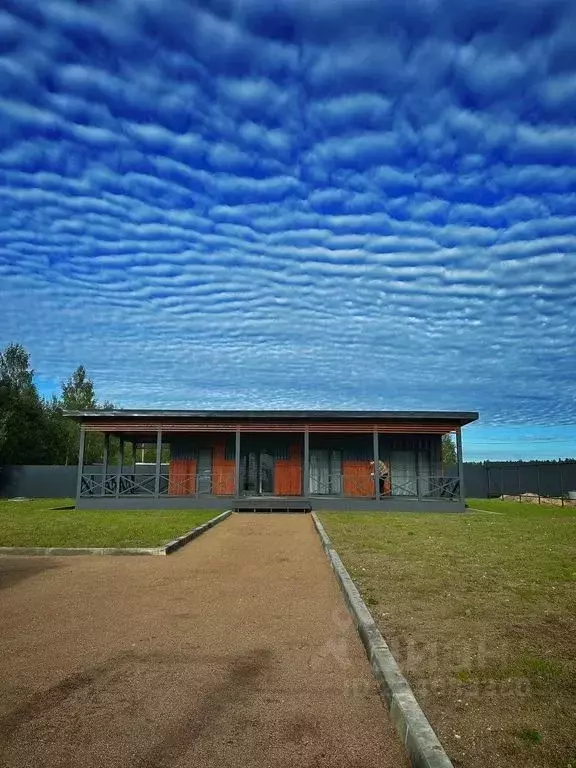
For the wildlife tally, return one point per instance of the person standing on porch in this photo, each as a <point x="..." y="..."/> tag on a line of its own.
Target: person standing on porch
<point x="383" y="476"/>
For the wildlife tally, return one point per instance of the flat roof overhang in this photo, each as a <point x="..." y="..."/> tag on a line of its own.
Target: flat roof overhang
<point x="126" y="421"/>
<point x="463" y="417"/>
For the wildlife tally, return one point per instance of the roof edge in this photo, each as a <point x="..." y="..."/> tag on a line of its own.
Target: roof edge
<point x="463" y="417"/>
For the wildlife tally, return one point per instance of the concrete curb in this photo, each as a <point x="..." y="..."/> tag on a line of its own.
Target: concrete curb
<point x="421" y="743"/>
<point x="172" y="546"/>
<point x="167" y="549"/>
<point x="61" y="551"/>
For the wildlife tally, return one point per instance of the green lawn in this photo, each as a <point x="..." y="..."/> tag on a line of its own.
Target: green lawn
<point x="480" y="611"/>
<point x="55" y="523"/>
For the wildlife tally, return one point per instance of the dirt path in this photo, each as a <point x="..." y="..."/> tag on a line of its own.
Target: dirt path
<point x="236" y="651"/>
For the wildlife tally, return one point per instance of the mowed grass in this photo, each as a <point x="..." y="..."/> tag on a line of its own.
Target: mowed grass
<point x="480" y="611"/>
<point x="55" y="523"/>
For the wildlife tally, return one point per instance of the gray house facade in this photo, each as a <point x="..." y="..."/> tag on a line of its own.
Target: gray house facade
<point x="294" y="460"/>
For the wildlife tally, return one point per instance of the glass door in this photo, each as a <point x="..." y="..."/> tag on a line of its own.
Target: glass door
<point x="424" y="470"/>
<point x="266" y="474"/>
<point x="403" y="473"/>
<point x="325" y="471"/>
<point x="204" y="471"/>
<point x="257" y="473"/>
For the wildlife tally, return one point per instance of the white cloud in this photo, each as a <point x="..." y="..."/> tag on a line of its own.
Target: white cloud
<point x="375" y="195"/>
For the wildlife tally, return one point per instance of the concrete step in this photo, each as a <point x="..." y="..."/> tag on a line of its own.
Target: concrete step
<point x="268" y="504"/>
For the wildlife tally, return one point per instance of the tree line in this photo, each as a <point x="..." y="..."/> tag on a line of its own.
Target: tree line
<point x="33" y="429"/>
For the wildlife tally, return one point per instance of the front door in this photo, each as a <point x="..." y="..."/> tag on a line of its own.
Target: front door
<point x="257" y="473"/>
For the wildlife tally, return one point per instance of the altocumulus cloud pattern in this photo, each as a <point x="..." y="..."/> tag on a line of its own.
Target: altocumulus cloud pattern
<point x="338" y="203"/>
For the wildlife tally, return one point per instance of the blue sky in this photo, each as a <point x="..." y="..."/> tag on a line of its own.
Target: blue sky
<point x="294" y="204"/>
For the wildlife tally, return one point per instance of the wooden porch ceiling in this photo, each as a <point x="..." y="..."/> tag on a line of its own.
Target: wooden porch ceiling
<point x="135" y="427"/>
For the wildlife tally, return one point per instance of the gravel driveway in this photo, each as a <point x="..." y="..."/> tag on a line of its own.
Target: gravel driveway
<point x="235" y="651"/>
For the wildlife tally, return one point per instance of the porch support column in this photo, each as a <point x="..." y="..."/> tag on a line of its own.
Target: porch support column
<point x="158" y="463"/>
<point x="80" y="462"/>
<point x="460" y="464"/>
<point x="306" y="473"/>
<point x="376" y="469"/>
<point x="120" y="467"/>
<point x="237" y="464"/>
<point x="105" y="462"/>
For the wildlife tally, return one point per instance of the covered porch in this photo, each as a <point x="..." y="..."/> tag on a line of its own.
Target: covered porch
<point x="270" y="466"/>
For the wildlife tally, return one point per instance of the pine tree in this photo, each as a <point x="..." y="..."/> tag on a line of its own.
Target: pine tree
<point x="23" y="434"/>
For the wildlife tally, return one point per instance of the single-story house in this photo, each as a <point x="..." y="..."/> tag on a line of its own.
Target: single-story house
<point x="354" y="460"/>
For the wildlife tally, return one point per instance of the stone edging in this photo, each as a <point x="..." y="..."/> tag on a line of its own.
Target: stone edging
<point x="61" y="551"/>
<point x="167" y="549"/>
<point x="172" y="546"/>
<point x="421" y="743"/>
